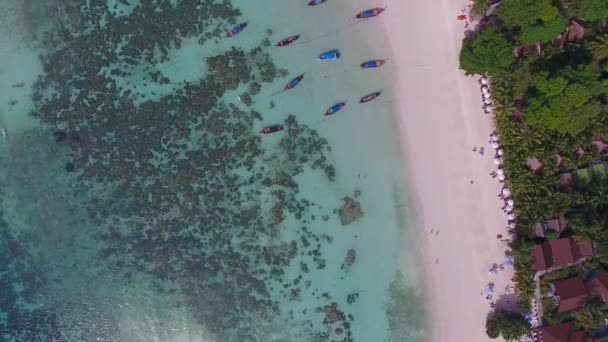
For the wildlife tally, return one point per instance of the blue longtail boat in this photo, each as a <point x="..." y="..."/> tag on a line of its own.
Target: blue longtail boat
<point x="293" y="83"/>
<point x="329" y="55"/>
<point x="374" y="63"/>
<point x="238" y="28"/>
<point x="335" y="108"/>
<point x="316" y="2"/>
<point x="369" y="13"/>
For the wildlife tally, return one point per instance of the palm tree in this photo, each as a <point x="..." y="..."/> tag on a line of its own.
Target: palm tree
<point x="599" y="47"/>
<point x="481" y="7"/>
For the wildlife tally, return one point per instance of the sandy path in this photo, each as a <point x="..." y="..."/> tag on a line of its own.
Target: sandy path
<point x="441" y="121"/>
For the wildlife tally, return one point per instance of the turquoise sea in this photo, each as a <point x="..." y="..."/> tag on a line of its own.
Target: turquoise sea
<point x="140" y="203"/>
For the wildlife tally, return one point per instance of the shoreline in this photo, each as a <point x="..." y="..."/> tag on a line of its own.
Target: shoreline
<point x="440" y="120"/>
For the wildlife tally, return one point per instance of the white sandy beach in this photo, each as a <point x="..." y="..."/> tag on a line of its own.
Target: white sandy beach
<point x="441" y="121"/>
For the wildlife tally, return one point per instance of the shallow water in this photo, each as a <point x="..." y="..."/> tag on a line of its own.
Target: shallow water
<point x="139" y="203"/>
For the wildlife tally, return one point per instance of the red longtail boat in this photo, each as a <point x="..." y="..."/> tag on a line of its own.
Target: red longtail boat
<point x="369" y="13"/>
<point x="271" y="129"/>
<point x="288" y="40"/>
<point x="370" y="97"/>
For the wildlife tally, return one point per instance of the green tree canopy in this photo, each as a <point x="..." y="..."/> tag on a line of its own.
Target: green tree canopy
<point x="486" y="52"/>
<point x="544" y="31"/>
<point x="596" y="10"/>
<point x="562" y="106"/>
<point x="510" y="325"/>
<point x="522" y="13"/>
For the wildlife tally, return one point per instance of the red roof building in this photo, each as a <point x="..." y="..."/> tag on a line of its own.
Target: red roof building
<point x="560" y="333"/>
<point x="557" y="224"/>
<point x="598" y="286"/>
<point x="559" y="252"/>
<point x="571" y="293"/>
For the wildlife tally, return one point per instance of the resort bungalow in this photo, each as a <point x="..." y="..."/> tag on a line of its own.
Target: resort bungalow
<point x="570" y="294"/>
<point x="597" y="171"/>
<point x="560" y="333"/>
<point x="598" y="285"/>
<point x="559" y="252"/>
<point x="557" y="224"/>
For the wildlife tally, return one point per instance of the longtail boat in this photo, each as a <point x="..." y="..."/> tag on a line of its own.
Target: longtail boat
<point x="370" y="13"/>
<point x="369" y="97"/>
<point x="288" y="40"/>
<point x="238" y="28"/>
<point x="329" y="55"/>
<point x="294" y="82"/>
<point x="271" y="129"/>
<point x="316" y="2"/>
<point x="335" y="108"/>
<point x="375" y="63"/>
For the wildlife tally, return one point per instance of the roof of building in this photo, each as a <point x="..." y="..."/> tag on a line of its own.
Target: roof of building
<point x="560" y="333"/>
<point x="562" y="250"/>
<point x="598" y="286"/>
<point x="582" y="249"/>
<point x="571" y="292"/>
<point x="557" y="224"/>
<point x="559" y="252"/>
<point x="542" y="257"/>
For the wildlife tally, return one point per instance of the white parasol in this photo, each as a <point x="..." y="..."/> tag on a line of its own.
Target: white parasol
<point x="511" y="217"/>
<point x="484" y="80"/>
<point x="501" y="177"/>
<point x="494" y="137"/>
<point x="487" y="101"/>
<point x="485" y="90"/>
<point x="489" y="108"/>
<point x="500" y="152"/>
<point x="512" y="225"/>
<point x="494" y="145"/>
<point x="506" y="192"/>
<point x="510" y="202"/>
<point x="509" y="208"/>
<point x="500" y="172"/>
<point x="497" y="161"/>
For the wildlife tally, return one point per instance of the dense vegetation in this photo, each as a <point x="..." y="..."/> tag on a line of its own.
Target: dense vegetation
<point x="511" y="326"/>
<point x="548" y="64"/>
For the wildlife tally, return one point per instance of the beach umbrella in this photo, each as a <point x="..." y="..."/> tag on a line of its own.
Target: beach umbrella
<point x="487" y="101"/>
<point x="512" y="225"/>
<point x="501" y="177"/>
<point x="506" y="192"/>
<point x="511" y="217"/>
<point x="488" y="109"/>
<point x="486" y="95"/>
<point x="510" y="202"/>
<point x="484" y="80"/>
<point x="494" y="137"/>
<point x="500" y="172"/>
<point x="500" y="152"/>
<point x="509" y="208"/>
<point x="494" y="145"/>
<point x="485" y="90"/>
<point x="497" y="161"/>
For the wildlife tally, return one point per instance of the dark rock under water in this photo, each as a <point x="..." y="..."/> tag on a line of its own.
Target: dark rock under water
<point x="182" y="175"/>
